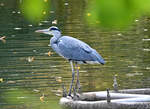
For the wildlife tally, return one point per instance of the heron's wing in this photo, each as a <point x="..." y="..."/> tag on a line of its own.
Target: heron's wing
<point x="71" y="48"/>
<point x="71" y="43"/>
<point x="86" y="48"/>
<point x="77" y="50"/>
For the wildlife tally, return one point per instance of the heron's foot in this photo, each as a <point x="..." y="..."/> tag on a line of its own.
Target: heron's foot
<point x="75" y="94"/>
<point x="69" y="94"/>
<point x="70" y="91"/>
<point x="76" y="97"/>
<point x="79" y="90"/>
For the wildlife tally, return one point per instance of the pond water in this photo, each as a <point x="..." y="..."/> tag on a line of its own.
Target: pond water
<point x="32" y="74"/>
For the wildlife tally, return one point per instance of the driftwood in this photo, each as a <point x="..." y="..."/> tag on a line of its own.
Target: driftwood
<point x="123" y="99"/>
<point x="135" y="91"/>
<point x="121" y="94"/>
<point x="116" y="99"/>
<point x="65" y="102"/>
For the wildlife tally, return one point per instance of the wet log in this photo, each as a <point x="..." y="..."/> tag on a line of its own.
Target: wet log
<point x="123" y="99"/>
<point x="95" y="96"/>
<point x="114" y="104"/>
<point x="102" y="95"/>
<point x="135" y="91"/>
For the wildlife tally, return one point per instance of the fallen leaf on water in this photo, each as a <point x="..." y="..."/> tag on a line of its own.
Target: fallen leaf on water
<point x="30" y="25"/>
<point x="59" y="95"/>
<point x="36" y="90"/>
<point x="17" y="28"/>
<point x="3" y="39"/>
<point x="42" y="98"/>
<point x="58" y="92"/>
<point x="13" y="12"/>
<point x="49" y="53"/>
<point x="18" y="12"/>
<point x="52" y="12"/>
<point x="59" y="79"/>
<point x="30" y="59"/>
<point x="1" y="80"/>
<point x="145" y="29"/>
<point x="54" y="22"/>
<point x="116" y="75"/>
<point x="66" y="4"/>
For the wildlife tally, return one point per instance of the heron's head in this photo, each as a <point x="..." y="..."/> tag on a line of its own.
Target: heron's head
<point x="53" y="30"/>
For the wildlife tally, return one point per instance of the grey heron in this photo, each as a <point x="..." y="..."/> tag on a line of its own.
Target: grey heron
<point x="72" y="49"/>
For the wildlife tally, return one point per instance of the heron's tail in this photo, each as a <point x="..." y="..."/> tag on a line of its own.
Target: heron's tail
<point x="98" y="57"/>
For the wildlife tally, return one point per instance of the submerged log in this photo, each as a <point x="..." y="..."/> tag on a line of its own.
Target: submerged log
<point x="102" y="95"/>
<point x="123" y="99"/>
<point x="114" y="104"/>
<point x="135" y="91"/>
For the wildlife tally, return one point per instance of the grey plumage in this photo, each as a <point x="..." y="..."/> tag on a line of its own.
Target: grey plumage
<point x="76" y="50"/>
<point x="72" y="49"/>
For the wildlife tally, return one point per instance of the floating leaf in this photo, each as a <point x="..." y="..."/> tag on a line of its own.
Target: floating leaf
<point x="54" y="22"/>
<point x="30" y="59"/>
<point x="3" y="39"/>
<point x="42" y="98"/>
<point x="49" y="53"/>
<point x="59" y="79"/>
<point x="1" y="80"/>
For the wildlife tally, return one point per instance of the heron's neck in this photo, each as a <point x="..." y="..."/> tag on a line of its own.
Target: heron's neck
<point x="55" y="38"/>
<point x="57" y="34"/>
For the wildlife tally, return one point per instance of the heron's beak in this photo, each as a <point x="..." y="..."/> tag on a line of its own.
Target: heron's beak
<point x="45" y="31"/>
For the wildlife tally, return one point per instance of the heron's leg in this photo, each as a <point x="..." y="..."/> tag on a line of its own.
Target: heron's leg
<point x="78" y="82"/>
<point x="73" y="74"/>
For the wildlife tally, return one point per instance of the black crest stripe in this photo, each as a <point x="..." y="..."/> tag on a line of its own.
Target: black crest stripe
<point x="53" y="29"/>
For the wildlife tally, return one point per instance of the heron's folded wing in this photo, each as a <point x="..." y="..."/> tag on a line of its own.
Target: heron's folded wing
<point x="72" y="43"/>
<point x="73" y="48"/>
<point x="86" y="48"/>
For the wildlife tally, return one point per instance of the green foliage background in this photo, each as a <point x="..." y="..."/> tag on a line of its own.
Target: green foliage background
<point x="35" y="10"/>
<point x="116" y="13"/>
